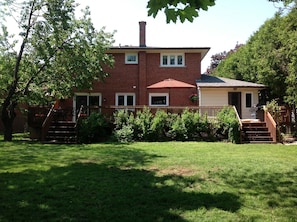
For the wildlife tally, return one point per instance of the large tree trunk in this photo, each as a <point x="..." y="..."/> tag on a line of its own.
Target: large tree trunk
<point x="8" y="116"/>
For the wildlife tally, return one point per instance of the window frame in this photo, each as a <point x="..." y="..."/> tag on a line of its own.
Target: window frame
<point x="88" y="95"/>
<point x="169" y="57"/>
<point x="131" y="54"/>
<point x="151" y="95"/>
<point x="125" y="99"/>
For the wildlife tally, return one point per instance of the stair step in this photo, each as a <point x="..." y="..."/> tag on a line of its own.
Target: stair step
<point x="259" y="142"/>
<point x="256" y="132"/>
<point x="258" y="137"/>
<point x="61" y="132"/>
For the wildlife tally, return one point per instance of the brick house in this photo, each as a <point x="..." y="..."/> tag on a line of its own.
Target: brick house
<point x="156" y="77"/>
<point x="137" y="69"/>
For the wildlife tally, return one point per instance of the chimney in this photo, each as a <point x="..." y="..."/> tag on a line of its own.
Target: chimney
<point x="142" y="34"/>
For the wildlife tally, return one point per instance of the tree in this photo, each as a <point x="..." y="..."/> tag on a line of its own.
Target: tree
<point x="187" y="9"/>
<point x="269" y="57"/>
<point x="217" y="58"/>
<point x="178" y="9"/>
<point x="57" y="53"/>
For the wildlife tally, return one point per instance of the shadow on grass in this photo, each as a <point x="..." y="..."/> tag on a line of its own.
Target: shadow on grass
<point x="276" y="190"/>
<point x="94" y="192"/>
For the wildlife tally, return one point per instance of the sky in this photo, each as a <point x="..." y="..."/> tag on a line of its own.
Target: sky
<point x="221" y="27"/>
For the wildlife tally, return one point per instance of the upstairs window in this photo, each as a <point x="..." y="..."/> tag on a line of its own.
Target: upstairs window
<point x="172" y="60"/>
<point x="131" y="58"/>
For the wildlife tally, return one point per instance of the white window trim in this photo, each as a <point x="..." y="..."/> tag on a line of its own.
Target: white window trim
<point x="158" y="94"/>
<point x="252" y="102"/>
<point x="168" y="59"/>
<point x="125" y="98"/>
<point x="131" y="62"/>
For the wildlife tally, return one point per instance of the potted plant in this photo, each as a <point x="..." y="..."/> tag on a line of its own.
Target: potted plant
<point x="193" y="97"/>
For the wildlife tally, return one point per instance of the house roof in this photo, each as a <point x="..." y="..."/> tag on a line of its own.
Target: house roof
<point x="131" y="49"/>
<point x="170" y="83"/>
<point x="207" y="81"/>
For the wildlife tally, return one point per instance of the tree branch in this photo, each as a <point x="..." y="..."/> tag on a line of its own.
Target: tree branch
<point x="13" y="87"/>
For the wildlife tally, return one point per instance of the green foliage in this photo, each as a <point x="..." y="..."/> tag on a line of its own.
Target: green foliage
<point x="142" y="124"/>
<point x="162" y="126"/>
<point x="93" y="129"/>
<point x="187" y="9"/>
<point x="178" y="129"/>
<point x="228" y="124"/>
<point x="124" y="126"/>
<point x="124" y="134"/>
<point x="178" y="9"/>
<point x="159" y="126"/>
<point x="269" y="57"/>
<point x="274" y="109"/>
<point x="52" y="53"/>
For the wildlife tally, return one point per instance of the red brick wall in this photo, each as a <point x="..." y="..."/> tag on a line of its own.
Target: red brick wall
<point x="134" y="78"/>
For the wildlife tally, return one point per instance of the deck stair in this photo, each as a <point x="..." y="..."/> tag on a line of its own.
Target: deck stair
<point x="255" y="132"/>
<point x="61" y="131"/>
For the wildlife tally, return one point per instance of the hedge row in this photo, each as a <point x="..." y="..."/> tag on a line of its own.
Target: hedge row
<point x="161" y="126"/>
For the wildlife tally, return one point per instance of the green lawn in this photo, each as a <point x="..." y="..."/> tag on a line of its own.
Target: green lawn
<point x="172" y="181"/>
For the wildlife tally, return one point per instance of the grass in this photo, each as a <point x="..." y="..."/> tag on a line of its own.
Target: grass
<point x="170" y="181"/>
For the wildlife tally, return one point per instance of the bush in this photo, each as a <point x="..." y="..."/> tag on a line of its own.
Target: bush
<point x="178" y="129"/>
<point x="94" y="128"/>
<point x="142" y="124"/>
<point x="124" y="124"/>
<point x="162" y="126"/>
<point x="228" y="124"/>
<point x="159" y="126"/>
<point x="125" y="134"/>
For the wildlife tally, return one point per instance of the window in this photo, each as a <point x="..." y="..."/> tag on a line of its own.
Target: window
<point x="159" y="99"/>
<point x="125" y="99"/>
<point x="131" y="58"/>
<point x="248" y="100"/>
<point x="90" y="101"/>
<point x="172" y="60"/>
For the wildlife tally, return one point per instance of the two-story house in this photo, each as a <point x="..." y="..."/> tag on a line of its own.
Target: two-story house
<point x="150" y="76"/>
<point x="159" y="76"/>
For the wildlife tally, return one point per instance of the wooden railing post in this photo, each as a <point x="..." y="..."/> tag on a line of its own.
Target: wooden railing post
<point x="46" y="123"/>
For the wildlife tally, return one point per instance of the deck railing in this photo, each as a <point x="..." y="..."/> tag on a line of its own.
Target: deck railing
<point x="240" y="123"/>
<point x="210" y="111"/>
<point x="271" y="125"/>
<point x="47" y="122"/>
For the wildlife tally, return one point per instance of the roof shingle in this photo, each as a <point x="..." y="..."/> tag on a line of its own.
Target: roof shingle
<point x="208" y="81"/>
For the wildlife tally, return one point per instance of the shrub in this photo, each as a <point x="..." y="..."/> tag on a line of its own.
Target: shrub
<point x="125" y="134"/>
<point x="178" y="129"/>
<point x="142" y="124"/>
<point x="228" y="124"/>
<point x="94" y="128"/>
<point x="121" y="118"/>
<point x="124" y="124"/>
<point x="159" y="126"/>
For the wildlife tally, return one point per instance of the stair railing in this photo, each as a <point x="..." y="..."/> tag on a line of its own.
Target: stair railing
<point x="47" y="123"/>
<point x="271" y="125"/>
<point x="79" y="115"/>
<point x="78" y="119"/>
<point x="240" y="123"/>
